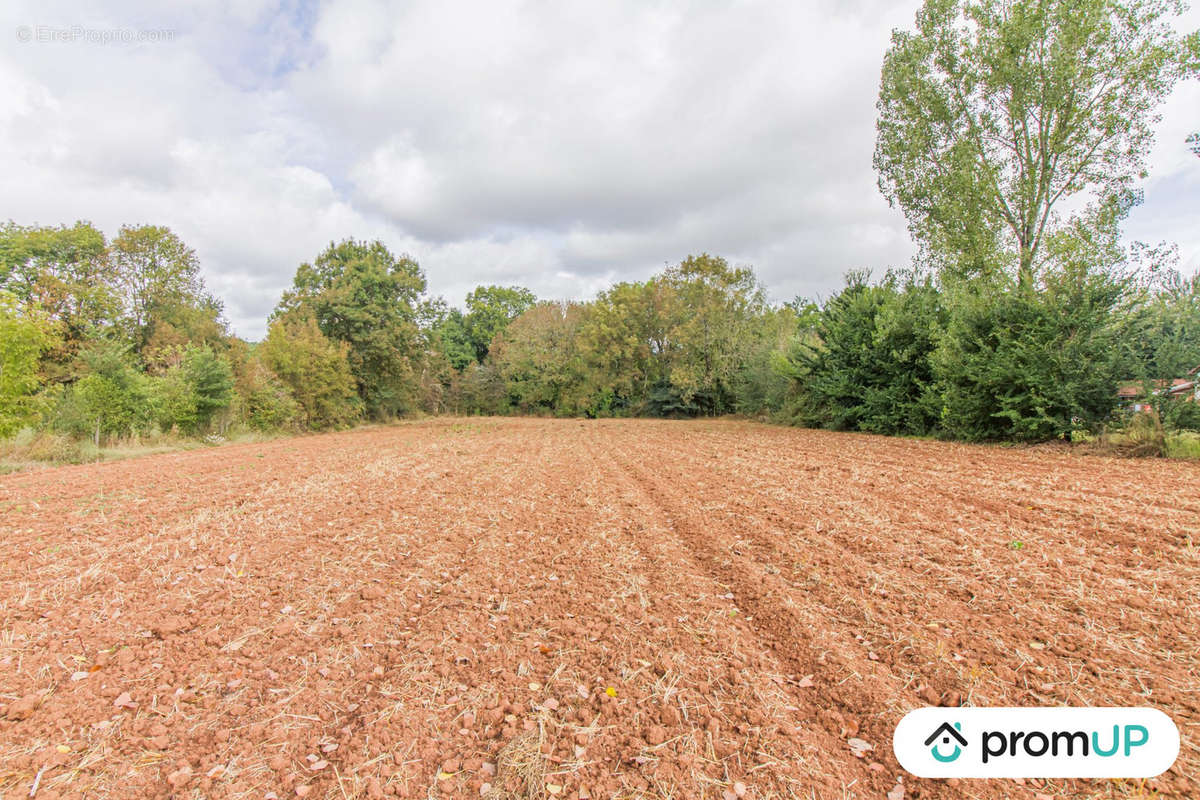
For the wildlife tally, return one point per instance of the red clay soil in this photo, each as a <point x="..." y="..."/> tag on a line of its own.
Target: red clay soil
<point x="535" y="608"/>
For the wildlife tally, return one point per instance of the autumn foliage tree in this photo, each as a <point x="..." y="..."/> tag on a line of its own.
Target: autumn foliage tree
<point x="360" y="294"/>
<point x="24" y="335"/>
<point x="316" y="369"/>
<point x="158" y="277"/>
<point x="489" y="311"/>
<point x="66" y="274"/>
<point x="537" y="356"/>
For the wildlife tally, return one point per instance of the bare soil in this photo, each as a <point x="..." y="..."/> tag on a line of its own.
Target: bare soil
<point x="534" y="608"/>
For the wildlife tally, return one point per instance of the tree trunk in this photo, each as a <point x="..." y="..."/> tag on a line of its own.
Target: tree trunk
<point x="1025" y="270"/>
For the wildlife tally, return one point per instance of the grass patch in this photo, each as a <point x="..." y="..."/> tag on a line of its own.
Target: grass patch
<point x="1142" y="437"/>
<point x="1185" y="444"/>
<point x="30" y="449"/>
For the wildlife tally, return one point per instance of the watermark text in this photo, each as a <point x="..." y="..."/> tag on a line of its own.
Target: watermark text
<point x="74" y="34"/>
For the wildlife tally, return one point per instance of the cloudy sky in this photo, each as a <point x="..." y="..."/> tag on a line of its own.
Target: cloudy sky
<point x="559" y="145"/>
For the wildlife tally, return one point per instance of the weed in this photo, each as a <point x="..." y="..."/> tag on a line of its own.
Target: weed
<point x="1185" y="444"/>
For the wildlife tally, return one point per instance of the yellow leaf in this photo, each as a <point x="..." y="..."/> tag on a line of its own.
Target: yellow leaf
<point x="610" y="691"/>
<point x="62" y="748"/>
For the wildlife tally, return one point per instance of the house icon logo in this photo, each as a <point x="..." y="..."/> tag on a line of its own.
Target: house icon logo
<point x="946" y="732"/>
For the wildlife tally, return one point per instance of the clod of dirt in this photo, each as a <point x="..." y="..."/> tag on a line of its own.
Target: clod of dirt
<point x="656" y="734"/>
<point x="23" y="708"/>
<point x="860" y="747"/>
<point x="124" y="700"/>
<point x="180" y="777"/>
<point x="169" y="625"/>
<point x="618" y="511"/>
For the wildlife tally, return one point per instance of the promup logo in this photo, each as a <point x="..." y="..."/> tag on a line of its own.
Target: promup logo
<point x="946" y="733"/>
<point x="1036" y="742"/>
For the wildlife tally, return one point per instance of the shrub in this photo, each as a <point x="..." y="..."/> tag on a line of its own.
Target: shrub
<point x="174" y="401"/>
<point x="315" y="369"/>
<point x="24" y="335"/>
<point x="264" y="402"/>
<point x="56" y="448"/>
<point x="1182" y="415"/>
<point x="210" y="379"/>
<point x="1142" y="437"/>
<point x="870" y="368"/>
<point x="1025" y="365"/>
<point x="112" y="399"/>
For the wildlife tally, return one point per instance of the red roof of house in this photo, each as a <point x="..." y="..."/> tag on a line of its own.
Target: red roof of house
<point x="1137" y="388"/>
<point x="1132" y="389"/>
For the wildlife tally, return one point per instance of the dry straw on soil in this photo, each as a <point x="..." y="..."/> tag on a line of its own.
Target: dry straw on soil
<point x="564" y="608"/>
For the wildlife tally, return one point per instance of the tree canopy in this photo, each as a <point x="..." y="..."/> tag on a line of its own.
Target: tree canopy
<point x="1012" y="134"/>
<point x="361" y="294"/>
<point x="994" y="113"/>
<point x="157" y="274"/>
<point x="67" y="274"/>
<point x="24" y="336"/>
<point x="489" y="311"/>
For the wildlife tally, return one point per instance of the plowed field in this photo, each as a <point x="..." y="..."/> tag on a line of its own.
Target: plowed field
<point x="528" y="608"/>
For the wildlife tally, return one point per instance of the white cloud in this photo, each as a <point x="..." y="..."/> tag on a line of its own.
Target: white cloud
<point x="561" y="146"/>
<point x="1171" y="209"/>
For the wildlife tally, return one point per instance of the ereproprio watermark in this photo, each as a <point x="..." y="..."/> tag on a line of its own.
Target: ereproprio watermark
<point x="71" y="34"/>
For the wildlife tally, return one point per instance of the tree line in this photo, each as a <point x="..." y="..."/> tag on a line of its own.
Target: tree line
<point x="1011" y="133"/>
<point x="118" y="339"/>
